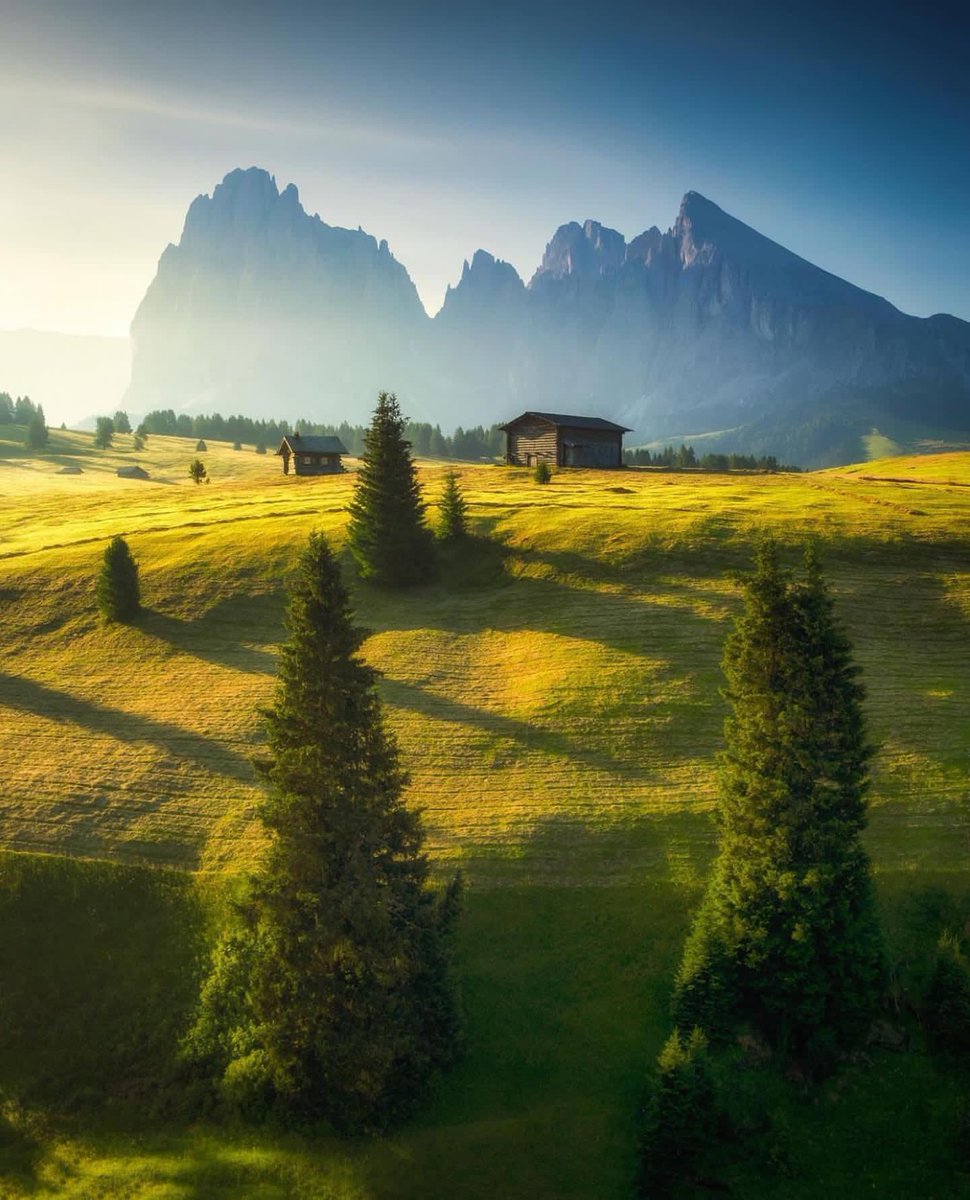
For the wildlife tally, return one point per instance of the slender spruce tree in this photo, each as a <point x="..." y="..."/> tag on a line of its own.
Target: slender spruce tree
<point x="37" y="434"/>
<point x="117" y="591"/>
<point x="786" y="940"/>
<point x="388" y="535"/>
<point x="452" y="511"/>
<point x="331" y="995"/>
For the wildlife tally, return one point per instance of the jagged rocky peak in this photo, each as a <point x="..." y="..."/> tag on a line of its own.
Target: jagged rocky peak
<point x="245" y="199"/>
<point x="488" y="272"/>
<point x="587" y="249"/>
<point x="646" y="247"/>
<point x="485" y="281"/>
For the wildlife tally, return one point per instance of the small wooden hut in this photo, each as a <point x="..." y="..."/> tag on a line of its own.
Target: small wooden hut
<point x="312" y="454"/>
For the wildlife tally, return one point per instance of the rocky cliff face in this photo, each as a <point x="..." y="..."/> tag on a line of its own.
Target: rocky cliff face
<point x="262" y="308"/>
<point x="709" y="326"/>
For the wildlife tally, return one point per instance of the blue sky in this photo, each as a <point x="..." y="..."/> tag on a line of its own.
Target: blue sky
<point x="842" y="131"/>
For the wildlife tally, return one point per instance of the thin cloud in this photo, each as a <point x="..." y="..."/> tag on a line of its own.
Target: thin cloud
<point x="134" y="103"/>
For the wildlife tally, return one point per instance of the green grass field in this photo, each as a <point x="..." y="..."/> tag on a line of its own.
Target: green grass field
<point x="555" y="695"/>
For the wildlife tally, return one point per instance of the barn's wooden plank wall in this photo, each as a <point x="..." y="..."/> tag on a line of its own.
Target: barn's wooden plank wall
<point x="538" y="438"/>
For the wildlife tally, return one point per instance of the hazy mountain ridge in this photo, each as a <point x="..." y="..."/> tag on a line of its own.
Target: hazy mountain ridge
<point x="264" y="309"/>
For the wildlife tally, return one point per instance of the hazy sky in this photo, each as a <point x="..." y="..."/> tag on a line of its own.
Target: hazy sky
<point x="841" y="131"/>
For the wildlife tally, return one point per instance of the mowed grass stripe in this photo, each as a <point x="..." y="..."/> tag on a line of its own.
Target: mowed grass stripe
<point x="556" y="694"/>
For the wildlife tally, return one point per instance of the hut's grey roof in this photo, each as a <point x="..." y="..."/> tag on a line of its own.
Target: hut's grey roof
<point x="135" y="472"/>
<point x="312" y="444"/>
<point x="568" y="421"/>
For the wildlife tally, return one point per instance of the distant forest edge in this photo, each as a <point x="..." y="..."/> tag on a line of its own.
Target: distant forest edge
<point x="427" y="441"/>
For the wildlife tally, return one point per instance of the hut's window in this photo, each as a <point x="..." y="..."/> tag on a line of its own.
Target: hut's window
<point x="307" y="460"/>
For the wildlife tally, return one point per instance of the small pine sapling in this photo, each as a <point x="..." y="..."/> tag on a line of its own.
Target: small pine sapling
<point x="452" y="511"/>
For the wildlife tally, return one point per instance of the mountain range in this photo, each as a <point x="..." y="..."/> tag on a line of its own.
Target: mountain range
<point x="708" y="330"/>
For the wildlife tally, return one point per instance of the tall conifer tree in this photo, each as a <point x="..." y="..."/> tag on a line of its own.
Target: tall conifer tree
<point x="786" y="939"/>
<point x="117" y="591"/>
<point x="388" y="535"/>
<point x="332" y="994"/>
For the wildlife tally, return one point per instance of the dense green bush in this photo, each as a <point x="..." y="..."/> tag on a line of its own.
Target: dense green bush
<point x="681" y="1117"/>
<point x="947" y="1002"/>
<point x="543" y="472"/>
<point x="117" y="590"/>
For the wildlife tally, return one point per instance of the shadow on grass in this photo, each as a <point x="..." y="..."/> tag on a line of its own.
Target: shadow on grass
<point x="528" y="736"/>
<point x="28" y="696"/>
<point x="481" y="586"/>
<point x="221" y="633"/>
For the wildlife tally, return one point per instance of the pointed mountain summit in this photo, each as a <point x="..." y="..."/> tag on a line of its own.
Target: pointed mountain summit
<point x="261" y="300"/>
<point x="705" y="328"/>
<point x="584" y="250"/>
<point x="484" y="283"/>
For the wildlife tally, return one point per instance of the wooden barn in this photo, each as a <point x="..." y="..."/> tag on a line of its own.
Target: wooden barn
<point x="563" y="441"/>
<point x="312" y="455"/>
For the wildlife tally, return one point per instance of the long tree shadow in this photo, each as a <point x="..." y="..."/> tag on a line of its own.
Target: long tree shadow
<point x="620" y="616"/>
<point x="224" y="634"/>
<point x="531" y="737"/>
<point x="26" y="695"/>
<point x="658" y="847"/>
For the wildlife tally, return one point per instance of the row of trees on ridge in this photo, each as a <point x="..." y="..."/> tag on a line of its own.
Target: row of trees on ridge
<point x="426" y="440"/>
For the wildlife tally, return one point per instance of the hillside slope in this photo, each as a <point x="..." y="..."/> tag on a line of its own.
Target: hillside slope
<point x="555" y="695"/>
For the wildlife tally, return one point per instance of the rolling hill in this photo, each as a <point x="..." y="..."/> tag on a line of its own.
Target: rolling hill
<point x="556" y="699"/>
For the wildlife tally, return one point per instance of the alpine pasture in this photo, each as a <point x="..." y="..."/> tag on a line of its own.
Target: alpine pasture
<point x="555" y="694"/>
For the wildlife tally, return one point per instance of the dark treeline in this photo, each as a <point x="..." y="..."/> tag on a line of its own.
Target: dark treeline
<point x="17" y="412"/>
<point x="685" y="456"/>
<point x="23" y="411"/>
<point x="427" y="441"/>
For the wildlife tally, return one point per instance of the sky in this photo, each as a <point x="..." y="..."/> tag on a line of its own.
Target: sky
<point x="841" y="131"/>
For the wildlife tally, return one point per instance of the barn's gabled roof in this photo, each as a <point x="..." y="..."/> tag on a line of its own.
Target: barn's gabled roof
<point x="569" y="421"/>
<point x="312" y="444"/>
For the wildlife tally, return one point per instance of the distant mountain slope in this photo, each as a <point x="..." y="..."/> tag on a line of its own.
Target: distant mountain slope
<point x="70" y="375"/>
<point x="264" y="309"/>
<point x="707" y="327"/>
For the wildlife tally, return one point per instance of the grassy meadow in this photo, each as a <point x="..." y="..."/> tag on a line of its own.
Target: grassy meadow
<point x="556" y="698"/>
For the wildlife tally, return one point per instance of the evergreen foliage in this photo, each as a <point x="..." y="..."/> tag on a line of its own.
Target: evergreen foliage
<point x="948" y="1000"/>
<point x="681" y="1118"/>
<point x="200" y="446"/>
<point x="197" y="471"/>
<point x="237" y="445"/>
<point x="787" y="940"/>
<point x="117" y="590"/>
<point x="387" y="534"/>
<point x="260" y="447"/>
<point x="37" y="435"/>
<point x="331" y="997"/>
<point x="427" y="440"/>
<point x="543" y="472"/>
<point x="104" y="429"/>
<point x="121" y="422"/>
<point x="452" y="511"/>
<point x="138" y="442"/>
<point x="685" y="457"/>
